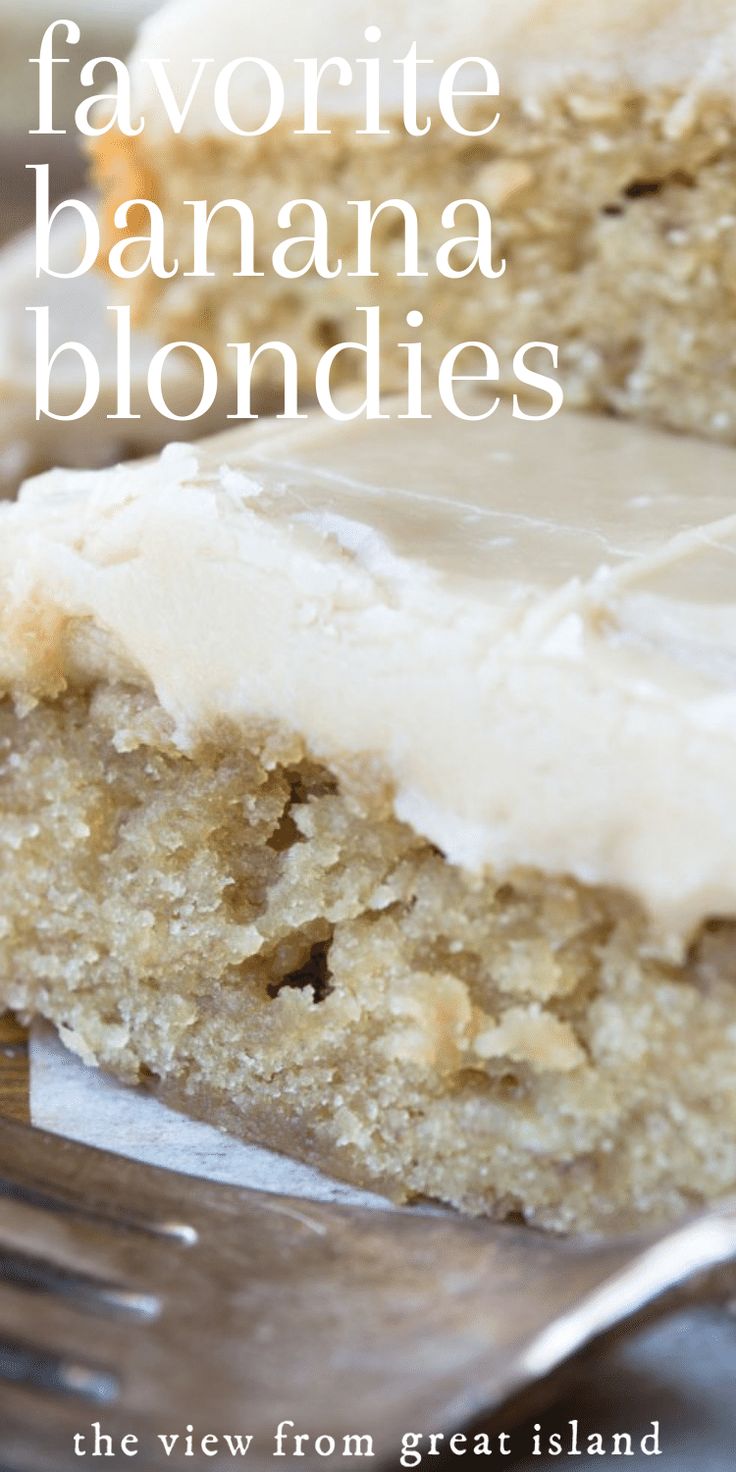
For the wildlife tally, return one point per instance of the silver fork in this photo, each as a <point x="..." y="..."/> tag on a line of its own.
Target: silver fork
<point x="147" y="1303"/>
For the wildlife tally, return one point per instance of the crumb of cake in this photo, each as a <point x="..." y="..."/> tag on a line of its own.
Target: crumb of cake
<point x="268" y="950"/>
<point x="612" y="207"/>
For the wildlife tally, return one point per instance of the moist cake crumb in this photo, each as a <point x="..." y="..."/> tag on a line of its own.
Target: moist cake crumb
<point x="232" y="929"/>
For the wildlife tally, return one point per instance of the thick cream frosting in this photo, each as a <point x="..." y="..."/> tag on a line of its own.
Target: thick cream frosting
<point x="534" y="44"/>
<point x="530" y="629"/>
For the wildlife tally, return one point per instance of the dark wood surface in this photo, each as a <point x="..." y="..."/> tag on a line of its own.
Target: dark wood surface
<point x="14" y="1103"/>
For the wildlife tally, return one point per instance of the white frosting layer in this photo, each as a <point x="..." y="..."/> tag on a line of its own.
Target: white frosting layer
<point x="532" y="629"/>
<point x="534" y="45"/>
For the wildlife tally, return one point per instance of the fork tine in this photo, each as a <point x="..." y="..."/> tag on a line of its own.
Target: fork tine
<point x="58" y="1175"/>
<point x="50" y="1202"/>
<point x="62" y="1335"/>
<point x="25" y="1364"/>
<point x="67" y="1246"/>
<point x="92" y="1294"/>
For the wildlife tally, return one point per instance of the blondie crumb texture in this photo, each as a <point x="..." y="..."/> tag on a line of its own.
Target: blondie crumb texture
<point x="286" y="958"/>
<point x="612" y="207"/>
